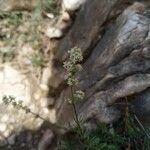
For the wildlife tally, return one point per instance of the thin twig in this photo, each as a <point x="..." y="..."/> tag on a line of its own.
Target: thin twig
<point x="75" y="111"/>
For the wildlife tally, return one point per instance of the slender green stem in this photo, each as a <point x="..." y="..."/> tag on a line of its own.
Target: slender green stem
<point x="75" y="111"/>
<point x="51" y="125"/>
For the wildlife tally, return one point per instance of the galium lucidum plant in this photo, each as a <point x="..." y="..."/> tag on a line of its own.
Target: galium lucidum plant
<point x="72" y="66"/>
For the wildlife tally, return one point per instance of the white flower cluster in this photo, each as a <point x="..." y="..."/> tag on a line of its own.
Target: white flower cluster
<point x="72" y="66"/>
<point x="78" y="95"/>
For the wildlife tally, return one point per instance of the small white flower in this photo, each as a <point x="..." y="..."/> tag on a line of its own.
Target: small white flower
<point x="79" y="95"/>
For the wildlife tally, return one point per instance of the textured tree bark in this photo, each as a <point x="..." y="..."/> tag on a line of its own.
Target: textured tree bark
<point x="115" y="40"/>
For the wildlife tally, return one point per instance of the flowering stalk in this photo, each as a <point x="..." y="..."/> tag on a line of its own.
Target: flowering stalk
<point x="72" y="66"/>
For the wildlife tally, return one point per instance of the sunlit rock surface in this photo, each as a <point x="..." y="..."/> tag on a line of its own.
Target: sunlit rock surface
<point x="73" y="5"/>
<point x="16" y="84"/>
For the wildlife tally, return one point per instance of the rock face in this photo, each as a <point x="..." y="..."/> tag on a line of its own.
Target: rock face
<point x="13" y="83"/>
<point x="86" y="29"/>
<point x="72" y="5"/>
<point x="23" y="88"/>
<point x="115" y="42"/>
